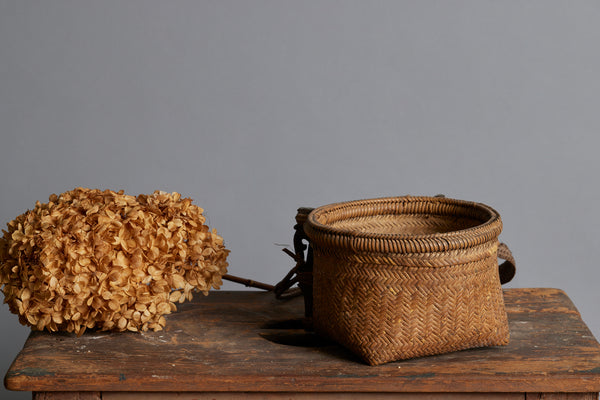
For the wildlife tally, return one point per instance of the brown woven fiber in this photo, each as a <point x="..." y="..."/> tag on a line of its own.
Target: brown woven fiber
<point x="402" y="277"/>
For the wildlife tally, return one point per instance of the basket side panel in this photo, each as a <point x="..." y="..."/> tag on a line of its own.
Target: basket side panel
<point x="388" y="312"/>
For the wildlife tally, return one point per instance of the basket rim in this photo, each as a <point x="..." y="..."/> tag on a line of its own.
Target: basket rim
<point x="487" y="230"/>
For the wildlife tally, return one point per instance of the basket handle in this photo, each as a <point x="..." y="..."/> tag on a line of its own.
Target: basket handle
<point x="508" y="268"/>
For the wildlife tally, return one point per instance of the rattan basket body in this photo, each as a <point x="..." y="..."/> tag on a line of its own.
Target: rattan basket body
<point x="403" y="277"/>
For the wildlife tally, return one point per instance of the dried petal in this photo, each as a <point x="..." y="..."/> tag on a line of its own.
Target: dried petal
<point x="175" y="296"/>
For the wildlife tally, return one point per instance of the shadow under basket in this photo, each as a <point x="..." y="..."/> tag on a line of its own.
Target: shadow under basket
<point x="403" y="277"/>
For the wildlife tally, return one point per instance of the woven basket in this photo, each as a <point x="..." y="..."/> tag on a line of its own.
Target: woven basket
<point x="397" y="278"/>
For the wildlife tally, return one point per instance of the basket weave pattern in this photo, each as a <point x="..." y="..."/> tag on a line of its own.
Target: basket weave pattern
<point x="403" y="277"/>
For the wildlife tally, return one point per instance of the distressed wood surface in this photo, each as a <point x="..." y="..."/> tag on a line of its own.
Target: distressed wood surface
<point x="248" y="341"/>
<point x="559" y="396"/>
<point x="312" y="396"/>
<point x="67" y="396"/>
<point x="307" y="396"/>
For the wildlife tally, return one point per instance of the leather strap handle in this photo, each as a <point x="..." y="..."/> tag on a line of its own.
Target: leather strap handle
<point x="508" y="268"/>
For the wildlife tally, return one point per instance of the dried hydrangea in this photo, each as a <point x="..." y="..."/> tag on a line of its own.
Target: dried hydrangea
<point x="108" y="261"/>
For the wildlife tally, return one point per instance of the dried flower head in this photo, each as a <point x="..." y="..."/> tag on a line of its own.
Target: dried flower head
<point x="105" y="260"/>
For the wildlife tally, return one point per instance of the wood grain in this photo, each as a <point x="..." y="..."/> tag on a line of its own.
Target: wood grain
<point x="250" y="342"/>
<point x="311" y="396"/>
<point x="307" y="396"/>
<point x="561" y="396"/>
<point x="67" y="396"/>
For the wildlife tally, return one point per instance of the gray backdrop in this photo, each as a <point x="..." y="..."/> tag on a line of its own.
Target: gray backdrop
<point x="254" y="108"/>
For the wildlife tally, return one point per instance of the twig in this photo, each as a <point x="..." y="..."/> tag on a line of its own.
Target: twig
<point x="249" y="282"/>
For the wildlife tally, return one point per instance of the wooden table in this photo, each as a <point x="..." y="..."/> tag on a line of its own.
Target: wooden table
<point x="248" y="345"/>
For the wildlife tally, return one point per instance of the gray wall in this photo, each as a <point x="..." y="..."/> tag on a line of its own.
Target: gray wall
<point x="254" y="108"/>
